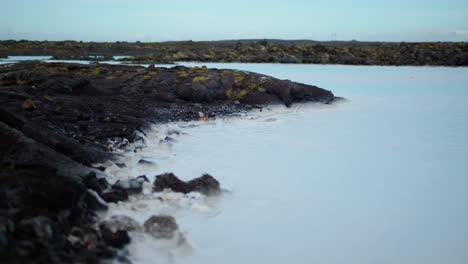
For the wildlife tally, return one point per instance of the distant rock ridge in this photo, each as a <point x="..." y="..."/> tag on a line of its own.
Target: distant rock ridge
<point x="253" y="51"/>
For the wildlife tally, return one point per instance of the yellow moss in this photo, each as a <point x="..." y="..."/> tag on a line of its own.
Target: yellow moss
<point x="200" y="79"/>
<point x="232" y="94"/>
<point x="28" y="105"/>
<point x="95" y="71"/>
<point x="252" y="86"/>
<point x="110" y="77"/>
<point x="179" y="55"/>
<point x="182" y="74"/>
<point x="242" y="93"/>
<point x="261" y="89"/>
<point x="229" y="94"/>
<point x="238" y="78"/>
<point x="147" y="77"/>
<point x="22" y="82"/>
<point x="141" y="70"/>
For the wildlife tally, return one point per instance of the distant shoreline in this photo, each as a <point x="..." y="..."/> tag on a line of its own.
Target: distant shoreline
<point x="252" y="51"/>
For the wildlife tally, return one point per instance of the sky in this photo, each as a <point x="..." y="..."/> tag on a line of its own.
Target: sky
<point x="167" y="20"/>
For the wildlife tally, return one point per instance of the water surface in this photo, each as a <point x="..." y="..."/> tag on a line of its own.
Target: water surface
<point x="379" y="179"/>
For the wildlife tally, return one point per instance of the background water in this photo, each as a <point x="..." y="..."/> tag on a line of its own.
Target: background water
<point x="382" y="178"/>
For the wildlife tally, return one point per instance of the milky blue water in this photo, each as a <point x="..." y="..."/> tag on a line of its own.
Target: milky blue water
<point x="382" y="178"/>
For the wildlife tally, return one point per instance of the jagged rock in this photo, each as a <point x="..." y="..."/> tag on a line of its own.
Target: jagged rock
<point x="170" y="181"/>
<point x="161" y="226"/>
<point x="205" y="184"/>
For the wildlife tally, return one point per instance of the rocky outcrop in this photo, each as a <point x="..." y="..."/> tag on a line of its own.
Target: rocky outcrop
<point x="58" y="120"/>
<point x="205" y="184"/>
<point x="77" y="109"/>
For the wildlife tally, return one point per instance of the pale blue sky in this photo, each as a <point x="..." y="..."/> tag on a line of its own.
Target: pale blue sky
<point x="162" y="20"/>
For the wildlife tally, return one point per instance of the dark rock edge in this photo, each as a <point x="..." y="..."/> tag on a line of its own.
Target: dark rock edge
<point x="57" y="120"/>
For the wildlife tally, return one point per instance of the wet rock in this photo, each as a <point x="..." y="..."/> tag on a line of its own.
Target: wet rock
<point x="122" y="222"/>
<point x="131" y="186"/>
<point x="170" y="181"/>
<point x="161" y="226"/>
<point x="205" y="184"/>
<point x="143" y="178"/>
<point x="169" y="139"/>
<point x="99" y="185"/>
<point x="94" y="201"/>
<point x="145" y="162"/>
<point x="115" y="196"/>
<point x="117" y="239"/>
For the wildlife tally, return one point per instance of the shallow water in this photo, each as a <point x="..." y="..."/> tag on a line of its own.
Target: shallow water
<point x="379" y="179"/>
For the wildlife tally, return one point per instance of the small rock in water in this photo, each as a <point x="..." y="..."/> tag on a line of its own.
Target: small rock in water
<point x="131" y="186"/>
<point x="205" y="184"/>
<point x="143" y="178"/>
<point x="169" y="139"/>
<point x="122" y="222"/>
<point x="161" y="226"/>
<point x="145" y="162"/>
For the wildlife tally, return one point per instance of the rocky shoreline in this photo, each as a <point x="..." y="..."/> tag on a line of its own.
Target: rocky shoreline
<point x="58" y="120"/>
<point x="252" y="51"/>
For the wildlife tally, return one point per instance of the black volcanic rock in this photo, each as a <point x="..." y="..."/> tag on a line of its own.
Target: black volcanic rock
<point x="170" y="181"/>
<point x="205" y="184"/>
<point x="57" y="120"/>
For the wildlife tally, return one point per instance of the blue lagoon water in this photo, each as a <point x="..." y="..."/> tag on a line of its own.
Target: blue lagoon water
<point x="381" y="178"/>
